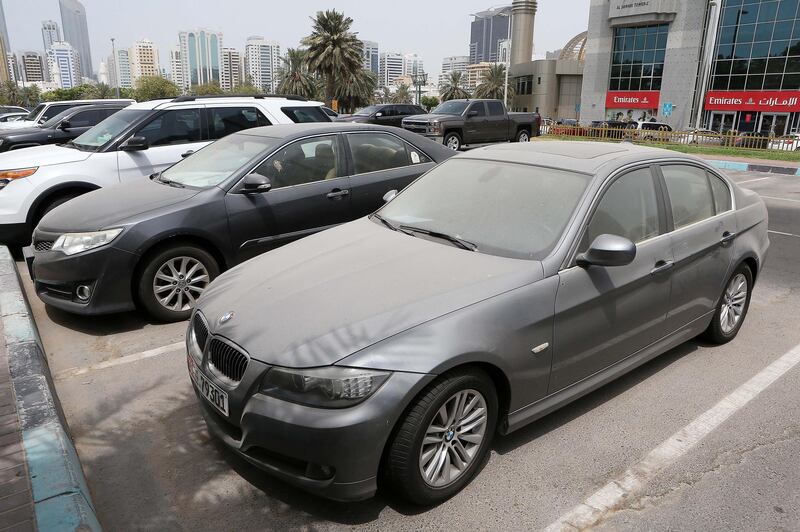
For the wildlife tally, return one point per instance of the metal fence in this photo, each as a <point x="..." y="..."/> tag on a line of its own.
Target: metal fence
<point x="696" y="138"/>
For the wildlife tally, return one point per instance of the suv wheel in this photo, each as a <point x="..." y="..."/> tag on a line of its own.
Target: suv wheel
<point x="173" y="279"/>
<point x="444" y="438"/>
<point x="732" y="307"/>
<point x="452" y="141"/>
<point x="523" y="136"/>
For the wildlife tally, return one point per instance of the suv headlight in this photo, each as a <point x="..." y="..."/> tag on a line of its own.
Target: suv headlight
<point x="7" y="176"/>
<point x="72" y="243"/>
<point x="328" y="387"/>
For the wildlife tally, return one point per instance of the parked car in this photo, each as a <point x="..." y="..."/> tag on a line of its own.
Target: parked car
<point x="614" y="129"/>
<point x="47" y="110"/>
<point x="5" y="109"/>
<point x="13" y="117"/>
<point x="459" y="123"/>
<point x="702" y="136"/>
<point x="330" y="112"/>
<point x="752" y="139"/>
<point x="384" y="114"/>
<point x="503" y="284"/>
<point x="136" y="142"/>
<point x="250" y="192"/>
<point x="789" y="142"/>
<point x="62" y="128"/>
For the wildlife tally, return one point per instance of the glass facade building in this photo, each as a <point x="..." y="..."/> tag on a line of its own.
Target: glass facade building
<point x="637" y="61"/>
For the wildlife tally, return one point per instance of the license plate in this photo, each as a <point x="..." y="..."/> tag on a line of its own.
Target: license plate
<point x="207" y="389"/>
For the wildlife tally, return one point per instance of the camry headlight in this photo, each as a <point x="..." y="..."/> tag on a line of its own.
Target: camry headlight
<point x="72" y="243"/>
<point x="328" y="387"/>
<point x="7" y="176"/>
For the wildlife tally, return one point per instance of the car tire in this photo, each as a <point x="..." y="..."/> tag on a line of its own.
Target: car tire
<point x="732" y="307"/>
<point x="452" y="141"/>
<point x="175" y="262"/>
<point x="523" y="136"/>
<point x="409" y="450"/>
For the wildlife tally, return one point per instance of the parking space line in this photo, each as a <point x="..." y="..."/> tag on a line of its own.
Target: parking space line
<point x="753" y="180"/>
<point x="782" y="233"/>
<point x="611" y="496"/>
<point x="74" y="372"/>
<point x="781" y="199"/>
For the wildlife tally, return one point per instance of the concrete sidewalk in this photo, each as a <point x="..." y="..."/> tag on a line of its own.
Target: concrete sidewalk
<point x="747" y="164"/>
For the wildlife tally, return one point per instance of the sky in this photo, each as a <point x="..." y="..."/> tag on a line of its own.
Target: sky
<point x="431" y="29"/>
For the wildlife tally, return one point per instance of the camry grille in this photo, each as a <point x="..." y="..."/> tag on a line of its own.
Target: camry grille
<point x="200" y="331"/>
<point x="227" y="360"/>
<point x="43" y="245"/>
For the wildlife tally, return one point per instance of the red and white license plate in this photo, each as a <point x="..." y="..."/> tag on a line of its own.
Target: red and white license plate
<point x="207" y="389"/>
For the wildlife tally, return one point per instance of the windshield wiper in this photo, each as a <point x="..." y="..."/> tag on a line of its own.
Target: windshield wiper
<point x="460" y="242"/>
<point x="161" y="179"/>
<point x="389" y="224"/>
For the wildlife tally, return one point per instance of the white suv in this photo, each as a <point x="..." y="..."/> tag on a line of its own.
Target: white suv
<point x="138" y="141"/>
<point x="47" y="110"/>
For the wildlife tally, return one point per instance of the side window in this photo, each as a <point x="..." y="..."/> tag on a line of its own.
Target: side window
<point x="628" y="209"/>
<point x="477" y="107"/>
<point x="86" y="118"/>
<point x="105" y="113"/>
<point x="496" y="108"/>
<point x="227" y="120"/>
<point x="172" y="127"/>
<point x="304" y="161"/>
<point x="375" y="152"/>
<point x="305" y="114"/>
<point x="689" y="193"/>
<point x="53" y="110"/>
<point x="722" y="194"/>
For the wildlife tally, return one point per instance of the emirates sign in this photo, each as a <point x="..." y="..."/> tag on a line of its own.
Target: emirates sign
<point x="778" y="101"/>
<point x="632" y="99"/>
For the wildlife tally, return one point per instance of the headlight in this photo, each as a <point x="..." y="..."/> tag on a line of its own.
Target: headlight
<point x="435" y="127"/>
<point x="72" y="243"/>
<point x="7" y="176"/>
<point x="329" y="387"/>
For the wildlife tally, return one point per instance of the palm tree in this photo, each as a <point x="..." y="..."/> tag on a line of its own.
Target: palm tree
<point x="452" y="88"/>
<point x="30" y="95"/>
<point x="104" y="91"/>
<point x="493" y="81"/>
<point x="383" y="95"/>
<point x="333" y="50"/>
<point x="356" y="90"/>
<point x="294" y="76"/>
<point x="402" y="95"/>
<point x="9" y="93"/>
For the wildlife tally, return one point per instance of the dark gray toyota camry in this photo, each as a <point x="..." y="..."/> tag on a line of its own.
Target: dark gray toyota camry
<point x="499" y="286"/>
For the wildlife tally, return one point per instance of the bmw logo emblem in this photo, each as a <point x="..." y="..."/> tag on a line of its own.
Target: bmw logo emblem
<point x="225" y="318"/>
<point x="449" y="435"/>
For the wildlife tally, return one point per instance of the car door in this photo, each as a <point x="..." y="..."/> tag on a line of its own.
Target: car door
<point x="476" y="124"/>
<point x="605" y="314"/>
<point x="702" y="241"/>
<point x="169" y="134"/>
<point x="497" y="121"/>
<point x="388" y="115"/>
<point x="310" y="192"/>
<point x="380" y="162"/>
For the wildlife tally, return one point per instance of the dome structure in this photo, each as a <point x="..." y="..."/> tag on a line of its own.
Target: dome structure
<point x="575" y="49"/>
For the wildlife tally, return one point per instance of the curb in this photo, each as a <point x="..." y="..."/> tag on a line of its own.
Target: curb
<point x="750" y="167"/>
<point x="61" y="498"/>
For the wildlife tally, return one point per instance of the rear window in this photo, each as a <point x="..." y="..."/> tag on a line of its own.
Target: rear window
<point x="300" y="115"/>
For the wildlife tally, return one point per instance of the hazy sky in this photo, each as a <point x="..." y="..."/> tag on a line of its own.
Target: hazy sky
<point x="430" y="28"/>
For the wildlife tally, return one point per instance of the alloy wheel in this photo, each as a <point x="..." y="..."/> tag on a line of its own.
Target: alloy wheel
<point x="453" y="143"/>
<point x="179" y="282"/>
<point x="523" y="137"/>
<point x="453" y="438"/>
<point x="733" y="301"/>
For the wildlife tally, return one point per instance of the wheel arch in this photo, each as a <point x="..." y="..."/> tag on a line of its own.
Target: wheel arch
<point x="43" y="199"/>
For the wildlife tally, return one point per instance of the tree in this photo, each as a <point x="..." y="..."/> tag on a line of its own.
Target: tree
<point x="294" y="75"/>
<point x="402" y="94"/>
<point x="206" y="89"/>
<point x="355" y="90"/>
<point x="154" y="88"/>
<point x="429" y="102"/>
<point x="493" y="80"/>
<point x="383" y="96"/>
<point x="245" y="88"/>
<point x="10" y="94"/>
<point x="453" y="87"/>
<point x="30" y="95"/>
<point x="333" y="51"/>
<point x="104" y="91"/>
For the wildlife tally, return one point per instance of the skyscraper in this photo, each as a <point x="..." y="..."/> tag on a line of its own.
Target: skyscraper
<point x="392" y="66"/>
<point x="76" y="32"/>
<point x="232" y="75"/>
<point x="4" y="29"/>
<point x="201" y="56"/>
<point x="486" y="31"/>
<point x="176" y="67"/>
<point x="144" y="61"/>
<point x="372" y="58"/>
<point x="63" y="63"/>
<point x="13" y="67"/>
<point x="262" y="59"/>
<point x="50" y="33"/>
<point x="122" y="65"/>
<point x="33" y="67"/>
<point x="412" y="64"/>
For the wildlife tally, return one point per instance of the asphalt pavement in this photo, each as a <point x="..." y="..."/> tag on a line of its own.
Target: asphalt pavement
<point x="150" y="463"/>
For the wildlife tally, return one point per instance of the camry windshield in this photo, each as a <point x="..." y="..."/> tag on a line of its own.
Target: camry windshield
<point x="217" y="162"/>
<point x="367" y="111"/>
<point x="107" y="130"/>
<point x="450" y="108"/>
<point x="499" y="208"/>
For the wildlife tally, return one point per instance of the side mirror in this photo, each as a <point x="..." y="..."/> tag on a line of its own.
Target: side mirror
<point x="389" y="196"/>
<point x="64" y="124"/>
<point x="608" y="250"/>
<point x="256" y="184"/>
<point x="135" y="144"/>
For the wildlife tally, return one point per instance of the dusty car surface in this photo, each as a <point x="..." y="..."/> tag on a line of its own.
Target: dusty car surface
<point x="503" y="284"/>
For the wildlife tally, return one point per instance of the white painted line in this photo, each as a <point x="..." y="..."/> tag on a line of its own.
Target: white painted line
<point x="74" y="372"/>
<point x="611" y="496"/>
<point x="781" y="199"/>
<point x="782" y="233"/>
<point x="753" y="180"/>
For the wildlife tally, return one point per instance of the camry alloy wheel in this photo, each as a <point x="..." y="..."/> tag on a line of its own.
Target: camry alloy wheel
<point x="453" y="438"/>
<point x="179" y="282"/>
<point x="733" y="301"/>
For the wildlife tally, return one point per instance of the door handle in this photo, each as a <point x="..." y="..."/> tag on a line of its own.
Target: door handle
<point x="336" y="193"/>
<point x="727" y="238"/>
<point x="662" y="266"/>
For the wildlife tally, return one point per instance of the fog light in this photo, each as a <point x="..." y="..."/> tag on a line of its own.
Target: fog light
<point x="83" y="292"/>
<point x="318" y="472"/>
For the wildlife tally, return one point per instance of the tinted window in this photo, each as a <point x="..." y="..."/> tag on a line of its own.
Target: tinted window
<point x="628" y="209"/>
<point x="374" y="152"/>
<point x="305" y="114"/>
<point x="453" y="107"/>
<point x="495" y="108"/>
<point x="86" y="118"/>
<point x="722" y="194"/>
<point x="689" y="194"/>
<point x="227" y="120"/>
<point x="304" y="161"/>
<point x="108" y="130"/>
<point x="53" y="110"/>
<point x="173" y="127"/>
<point x="478" y="108"/>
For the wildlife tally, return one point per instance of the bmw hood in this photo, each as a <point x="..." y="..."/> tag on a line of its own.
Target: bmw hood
<point x="41" y="156"/>
<point x="322" y="298"/>
<point x="113" y="206"/>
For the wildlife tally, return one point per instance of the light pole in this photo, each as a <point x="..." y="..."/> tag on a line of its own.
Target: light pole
<point x="419" y="79"/>
<point x="116" y="70"/>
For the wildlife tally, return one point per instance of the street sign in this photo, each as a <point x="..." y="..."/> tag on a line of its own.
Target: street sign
<point x="666" y="109"/>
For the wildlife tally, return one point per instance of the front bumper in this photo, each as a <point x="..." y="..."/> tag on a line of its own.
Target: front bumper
<point x="106" y="270"/>
<point x="335" y="453"/>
